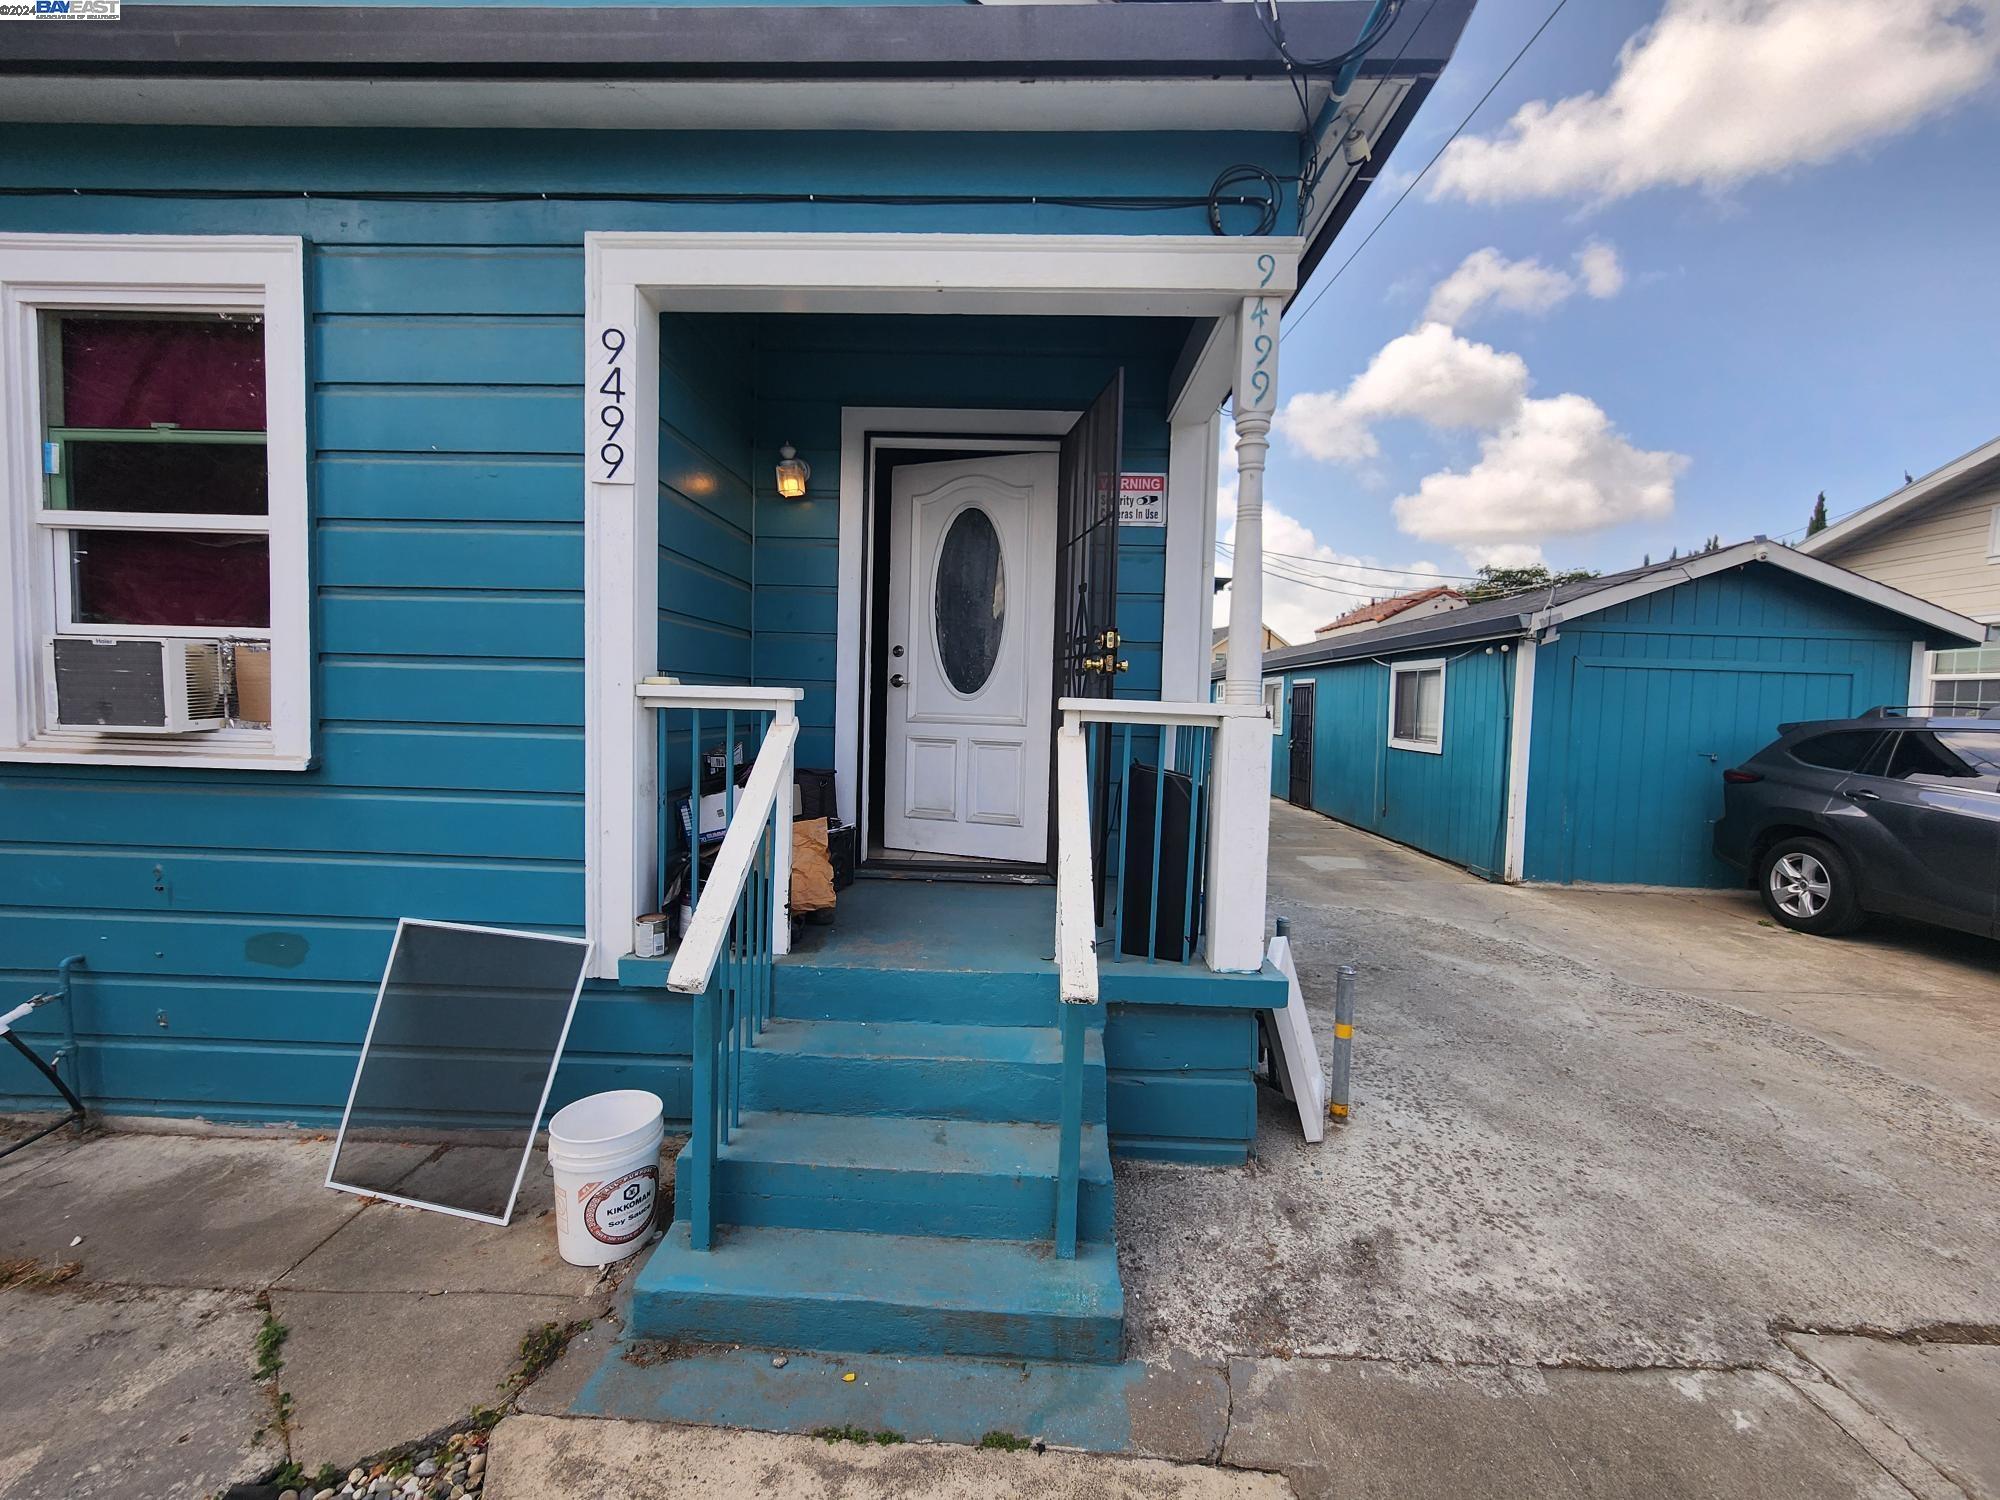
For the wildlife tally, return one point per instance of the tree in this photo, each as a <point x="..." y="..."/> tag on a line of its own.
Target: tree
<point x="1496" y="582"/>
<point x="1816" y="522"/>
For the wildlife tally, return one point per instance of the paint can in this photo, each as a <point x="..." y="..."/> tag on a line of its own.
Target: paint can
<point x="604" y="1152"/>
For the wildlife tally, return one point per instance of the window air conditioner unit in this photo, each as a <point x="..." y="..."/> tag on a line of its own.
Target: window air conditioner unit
<point x="130" y="685"/>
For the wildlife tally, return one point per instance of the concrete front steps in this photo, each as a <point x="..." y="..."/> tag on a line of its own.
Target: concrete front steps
<point x="892" y="1186"/>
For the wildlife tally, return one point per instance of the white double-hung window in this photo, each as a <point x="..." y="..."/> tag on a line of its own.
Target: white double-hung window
<point x="153" y="537"/>
<point x="1416" y="706"/>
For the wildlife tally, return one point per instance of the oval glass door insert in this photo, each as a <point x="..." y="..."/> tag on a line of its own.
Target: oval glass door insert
<point x="970" y="600"/>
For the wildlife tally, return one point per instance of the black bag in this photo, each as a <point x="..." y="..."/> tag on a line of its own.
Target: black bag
<point x="1180" y="844"/>
<point x="815" y="794"/>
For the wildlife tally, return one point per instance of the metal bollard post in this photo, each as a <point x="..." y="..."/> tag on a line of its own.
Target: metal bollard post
<point x="1343" y="1044"/>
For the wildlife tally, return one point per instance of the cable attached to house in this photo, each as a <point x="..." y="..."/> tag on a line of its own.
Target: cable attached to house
<point x="1265" y="201"/>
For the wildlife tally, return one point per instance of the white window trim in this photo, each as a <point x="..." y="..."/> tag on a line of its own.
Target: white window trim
<point x="1993" y="536"/>
<point x="199" y="273"/>
<point x="1274" y="703"/>
<point x="1397" y="669"/>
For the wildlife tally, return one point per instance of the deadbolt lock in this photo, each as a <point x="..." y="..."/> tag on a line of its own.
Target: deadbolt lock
<point x="1107" y="640"/>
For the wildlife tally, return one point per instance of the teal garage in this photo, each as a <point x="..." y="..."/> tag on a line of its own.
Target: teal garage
<point x="1579" y="735"/>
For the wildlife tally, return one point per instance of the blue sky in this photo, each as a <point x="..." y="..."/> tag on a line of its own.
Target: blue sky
<point x="1796" y="287"/>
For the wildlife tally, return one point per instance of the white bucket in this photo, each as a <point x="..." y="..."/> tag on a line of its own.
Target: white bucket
<point x="605" y="1154"/>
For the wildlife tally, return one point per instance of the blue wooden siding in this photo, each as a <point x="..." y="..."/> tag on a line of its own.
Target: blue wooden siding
<point x="1452" y="804"/>
<point x="1640" y="708"/>
<point x="707" y="529"/>
<point x="234" y="940"/>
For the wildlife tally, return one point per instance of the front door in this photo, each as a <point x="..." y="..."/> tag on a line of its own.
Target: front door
<point x="1299" y="792"/>
<point x="971" y="656"/>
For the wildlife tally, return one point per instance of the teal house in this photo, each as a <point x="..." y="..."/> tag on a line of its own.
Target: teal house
<point x="1580" y="734"/>
<point x="436" y="437"/>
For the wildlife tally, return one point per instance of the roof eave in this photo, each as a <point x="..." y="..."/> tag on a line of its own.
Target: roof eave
<point x="1967" y="469"/>
<point x="1178" y="39"/>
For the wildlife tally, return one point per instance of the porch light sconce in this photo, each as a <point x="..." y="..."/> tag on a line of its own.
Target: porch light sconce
<point x="793" y="472"/>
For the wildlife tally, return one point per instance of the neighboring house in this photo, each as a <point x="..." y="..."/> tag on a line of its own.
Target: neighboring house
<point x="400" y="497"/>
<point x="1937" y="538"/>
<point x="1582" y="735"/>
<point x="1404" y="607"/>
<point x="1218" y="642"/>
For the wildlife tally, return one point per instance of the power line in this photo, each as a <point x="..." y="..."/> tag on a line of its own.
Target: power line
<point x="1328" y="283"/>
<point x="1328" y="562"/>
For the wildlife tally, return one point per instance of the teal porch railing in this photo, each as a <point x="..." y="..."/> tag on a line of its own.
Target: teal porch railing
<point x="1112" y="856"/>
<point x="1152" y="765"/>
<point x="739" y="918"/>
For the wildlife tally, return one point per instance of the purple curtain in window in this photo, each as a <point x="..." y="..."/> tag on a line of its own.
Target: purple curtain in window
<point x="171" y="578"/>
<point x="133" y="372"/>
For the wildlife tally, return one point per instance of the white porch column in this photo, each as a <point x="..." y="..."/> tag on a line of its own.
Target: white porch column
<point x="621" y="636"/>
<point x="1242" y="777"/>
<point x="1255" y="401"/>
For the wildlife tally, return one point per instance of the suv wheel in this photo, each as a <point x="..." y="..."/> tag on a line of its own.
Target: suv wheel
<point x="1808" y="887"/>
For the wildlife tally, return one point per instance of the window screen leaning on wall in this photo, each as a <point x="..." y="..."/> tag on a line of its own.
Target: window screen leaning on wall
<point x="468" y="1027"/>
<point x="153" y="426"/>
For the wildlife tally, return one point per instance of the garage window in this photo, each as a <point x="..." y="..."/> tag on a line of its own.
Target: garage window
<point x="1416" y="706"/>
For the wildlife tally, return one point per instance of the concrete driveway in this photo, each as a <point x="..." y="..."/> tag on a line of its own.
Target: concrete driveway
<point x="1606" y="1131"/>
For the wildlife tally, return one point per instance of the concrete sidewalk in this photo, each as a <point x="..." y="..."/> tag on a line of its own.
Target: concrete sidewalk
<point x="147" y="1270"/>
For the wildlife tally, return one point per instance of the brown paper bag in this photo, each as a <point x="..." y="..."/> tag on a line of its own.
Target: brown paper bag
<point x="812" y="867"/>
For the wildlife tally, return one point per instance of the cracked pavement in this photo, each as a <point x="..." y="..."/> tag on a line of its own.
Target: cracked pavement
<point x="1595" y="1132"/>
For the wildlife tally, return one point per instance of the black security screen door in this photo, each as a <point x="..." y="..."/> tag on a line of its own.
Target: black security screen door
<point x="1087" y="660"/>
<point x="1087" y="548"/>
<point x="1300" y="790"/>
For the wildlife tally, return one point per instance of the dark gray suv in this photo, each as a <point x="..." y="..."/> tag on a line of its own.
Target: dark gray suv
<point x="1840" y="818"/>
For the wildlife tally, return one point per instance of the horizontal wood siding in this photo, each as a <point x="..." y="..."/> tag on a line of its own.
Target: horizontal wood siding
<point x="1942" y="552"/>
<point x="1639" y="710"/>
<point x="1179" y="1082"/>
<point x="235" y="922"/>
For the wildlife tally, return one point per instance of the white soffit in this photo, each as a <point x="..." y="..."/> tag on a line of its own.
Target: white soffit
<point x="1112" y="104"/>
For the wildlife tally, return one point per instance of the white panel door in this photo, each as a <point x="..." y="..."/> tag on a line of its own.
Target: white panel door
<point x="972" y="554"/>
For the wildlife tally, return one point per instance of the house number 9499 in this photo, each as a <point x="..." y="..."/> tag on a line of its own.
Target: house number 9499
<point x="607" y="397"/>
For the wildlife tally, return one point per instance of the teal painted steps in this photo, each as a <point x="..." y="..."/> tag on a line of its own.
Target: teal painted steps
<point x="891" y="1188"/>
<point x="806" y="989"/>
<point x="883" y="1294"/>
<point x="935" y="1070"/>
<point x="970" y="1179"/>
<point x="964" y="954"/>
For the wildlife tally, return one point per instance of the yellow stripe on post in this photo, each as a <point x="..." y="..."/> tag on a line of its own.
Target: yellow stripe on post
<point x="1343" y="1031"/>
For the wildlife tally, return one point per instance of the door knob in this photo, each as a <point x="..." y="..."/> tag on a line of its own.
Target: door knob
<point x="896" y="680"/>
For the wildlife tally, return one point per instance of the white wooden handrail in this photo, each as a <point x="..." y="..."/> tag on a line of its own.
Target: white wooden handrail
<point x="694" y="964"/>
<point x="1077" y="711"/>
<point x="665" y="692"/>
<point x="1076" y="915"/>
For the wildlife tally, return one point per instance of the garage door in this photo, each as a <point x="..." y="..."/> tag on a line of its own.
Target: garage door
<point x="1648" y="743"/>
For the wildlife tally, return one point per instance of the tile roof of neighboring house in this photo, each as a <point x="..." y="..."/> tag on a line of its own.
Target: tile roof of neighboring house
<point x="1387" y="609"/>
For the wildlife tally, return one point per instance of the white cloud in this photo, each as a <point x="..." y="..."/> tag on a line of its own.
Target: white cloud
<point x="1720" y="91"/>
<point x="1504" y="555"/>
<point x="1486" y="278"/>
<point x="1432" y="375"/>
<point x="1557" y="467"/>
<point x="1339" y="581"/>
<point x="1597" y="263"/>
